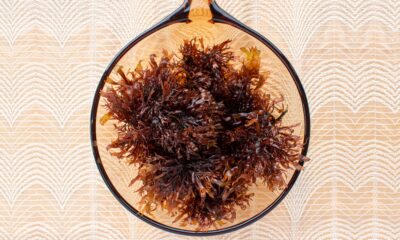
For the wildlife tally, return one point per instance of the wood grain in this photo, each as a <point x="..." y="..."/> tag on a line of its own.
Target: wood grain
<point x="52" y="54"/>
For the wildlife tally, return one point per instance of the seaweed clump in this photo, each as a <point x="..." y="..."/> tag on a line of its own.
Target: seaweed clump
<point x="202" y="128"/>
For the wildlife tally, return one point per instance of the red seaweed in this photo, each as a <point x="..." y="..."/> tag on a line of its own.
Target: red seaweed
<point x="201" y="131"/>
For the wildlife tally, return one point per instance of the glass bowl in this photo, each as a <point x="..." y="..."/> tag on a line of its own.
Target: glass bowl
<point x="201" y="19"/>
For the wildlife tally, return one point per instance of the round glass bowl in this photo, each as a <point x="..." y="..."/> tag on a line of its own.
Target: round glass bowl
<point x="201" y="19"/>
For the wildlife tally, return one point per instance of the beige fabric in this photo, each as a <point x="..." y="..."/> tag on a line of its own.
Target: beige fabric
<point x="52" y="54"/>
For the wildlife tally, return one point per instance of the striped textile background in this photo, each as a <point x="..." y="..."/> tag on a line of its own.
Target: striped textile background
<point x="52" y="54"/>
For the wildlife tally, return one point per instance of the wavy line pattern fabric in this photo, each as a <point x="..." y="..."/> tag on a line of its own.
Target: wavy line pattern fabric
<point x="52" y="54"/>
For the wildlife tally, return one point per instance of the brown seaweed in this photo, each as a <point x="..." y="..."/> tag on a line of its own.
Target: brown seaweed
<point x="201" y="131"/>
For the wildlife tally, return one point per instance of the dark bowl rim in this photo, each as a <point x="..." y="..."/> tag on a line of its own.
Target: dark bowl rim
<point x="134" y="211"/>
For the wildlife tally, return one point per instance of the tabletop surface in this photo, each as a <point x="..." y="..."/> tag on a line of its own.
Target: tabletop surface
<point x="52" y="54"/>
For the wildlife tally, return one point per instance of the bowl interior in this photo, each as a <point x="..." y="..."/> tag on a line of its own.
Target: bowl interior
<point x="119" y="174"/>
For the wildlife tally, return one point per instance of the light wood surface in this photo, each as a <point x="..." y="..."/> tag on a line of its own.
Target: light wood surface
<point x="52" y="54"/>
